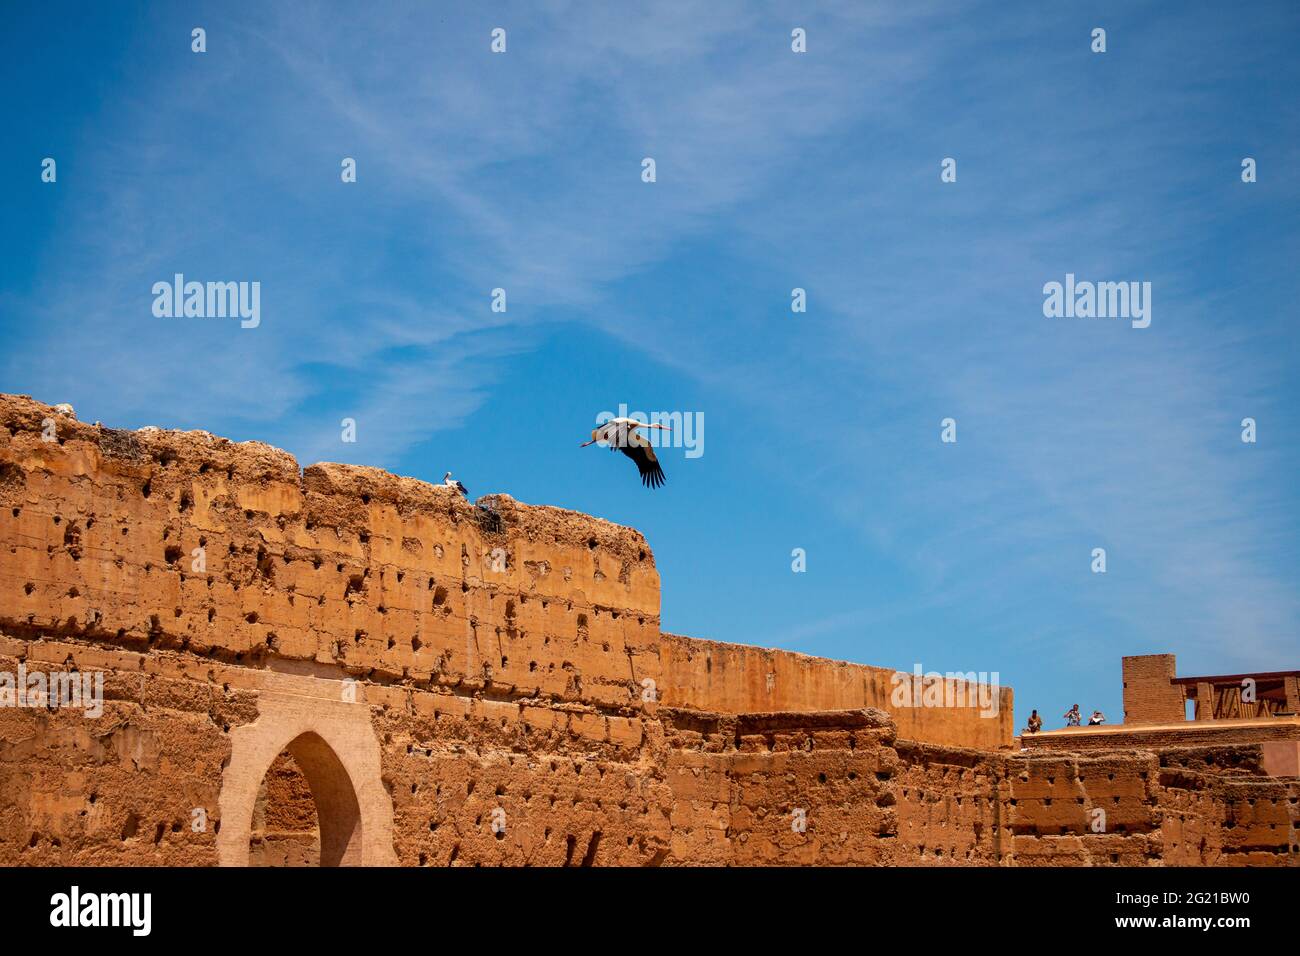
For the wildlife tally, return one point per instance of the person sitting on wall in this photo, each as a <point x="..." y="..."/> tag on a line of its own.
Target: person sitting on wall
<point x="1072" y="716"/>
<point x="1035" y="723"/>
<point x="1096" y="719"/>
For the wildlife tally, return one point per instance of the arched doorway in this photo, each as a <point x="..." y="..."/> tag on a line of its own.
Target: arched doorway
<point x="306" y="812"/>
<point x="303" y="786"/>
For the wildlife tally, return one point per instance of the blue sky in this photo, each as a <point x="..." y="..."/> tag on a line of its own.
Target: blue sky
<point x="775" y="171"/>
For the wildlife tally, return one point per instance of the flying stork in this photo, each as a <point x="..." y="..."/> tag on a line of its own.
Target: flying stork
<point x="454" y="485"/>
<point x="621" y="434"/>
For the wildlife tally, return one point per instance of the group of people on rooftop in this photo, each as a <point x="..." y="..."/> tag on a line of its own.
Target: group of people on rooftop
<point x="1072" y="718"/>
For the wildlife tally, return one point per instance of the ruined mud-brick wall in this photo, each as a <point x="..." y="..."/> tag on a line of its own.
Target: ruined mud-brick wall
<point x="1187" y="806"/>
<point x="577" y="786"/>
<point x="500" y="650"/>
<point x="120" y="789"/>
<point x="787" y="789"/>
<point x="574" y="790"/>
<point x="952" y="806"/>
<point x="375" y="576"/>
<point x="1221" y="811"/>
<point x="497" y="660"/>
<point x="737" y="679"/>
<point x="868" y="797"/>
<point x="1178" y="807"/>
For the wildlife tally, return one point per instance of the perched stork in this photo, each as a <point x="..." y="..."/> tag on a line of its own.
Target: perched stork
<point x="454" y="485"/>
<point x="621" y="434"/>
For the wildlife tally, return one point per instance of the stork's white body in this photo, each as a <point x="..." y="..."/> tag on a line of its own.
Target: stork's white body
<point x="622" y="434"/>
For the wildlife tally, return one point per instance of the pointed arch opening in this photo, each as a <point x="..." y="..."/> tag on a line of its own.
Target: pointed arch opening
<point x="306" y="812"/>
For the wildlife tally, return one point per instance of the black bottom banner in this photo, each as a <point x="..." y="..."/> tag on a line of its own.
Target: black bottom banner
<point x="338" y="906"/>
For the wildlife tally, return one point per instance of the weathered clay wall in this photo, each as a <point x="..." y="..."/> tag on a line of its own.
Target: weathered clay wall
<point x="576" y="786"/>
<point x="1181" y="806"/>
<point x="573" y="786"/>
<point x="1219" y="811"/>
<point x="1052" y="801"/>
<point x="348" y="568"/>
<point x="120" y="789"/>
<point x="463" y="685"/>
<point x="952" y="806"/>
<point x="782" y="789"/>
<point x="870" y="798"/>
<point x="476" y="640"/>
<point x="737" y="678"/>
<point x="182" y="540"/>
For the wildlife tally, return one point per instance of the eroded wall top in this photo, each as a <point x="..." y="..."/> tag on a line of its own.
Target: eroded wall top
<point x="185" y="540"/>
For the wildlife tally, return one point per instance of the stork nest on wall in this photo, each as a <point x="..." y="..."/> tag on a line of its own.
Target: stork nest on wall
<point x="489" y="519"/>
<point x="120" y="443"/>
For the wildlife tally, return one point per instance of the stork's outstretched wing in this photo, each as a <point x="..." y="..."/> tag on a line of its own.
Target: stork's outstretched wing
<point x="638" y="448"/>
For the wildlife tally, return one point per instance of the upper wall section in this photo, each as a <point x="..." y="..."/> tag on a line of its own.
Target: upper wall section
<point x="185" y="540"/>
<point x="738" y="678"/>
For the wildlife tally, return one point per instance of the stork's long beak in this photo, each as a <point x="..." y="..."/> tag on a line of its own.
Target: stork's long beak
<point x="586" y="443"/>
